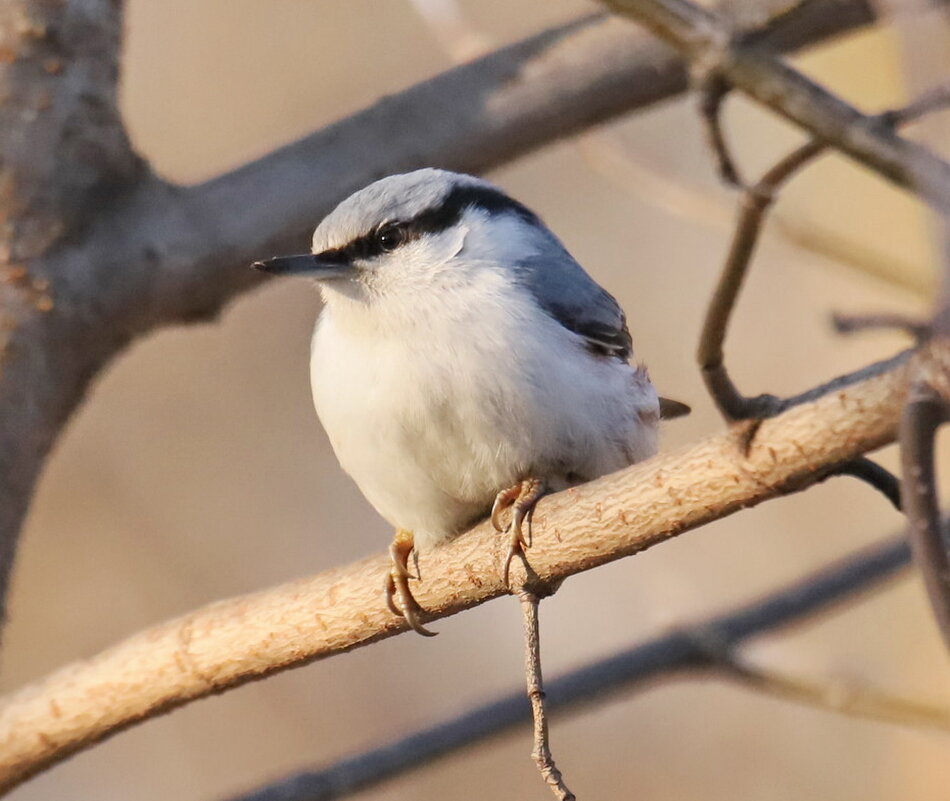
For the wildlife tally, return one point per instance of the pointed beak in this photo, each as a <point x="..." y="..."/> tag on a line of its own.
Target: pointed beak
<point x="306" y="264"/>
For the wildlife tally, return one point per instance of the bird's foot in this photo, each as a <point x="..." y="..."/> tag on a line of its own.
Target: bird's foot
<point x="397" y="583"/>
<point x="522" y="498"/>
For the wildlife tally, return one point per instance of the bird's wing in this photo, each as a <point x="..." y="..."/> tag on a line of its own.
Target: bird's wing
<point x="566" y="292"/>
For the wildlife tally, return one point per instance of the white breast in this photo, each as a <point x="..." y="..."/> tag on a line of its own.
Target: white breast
<point x="432" y="419"/>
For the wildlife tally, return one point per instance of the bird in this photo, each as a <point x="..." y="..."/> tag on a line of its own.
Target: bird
<point x="464" y="363"/>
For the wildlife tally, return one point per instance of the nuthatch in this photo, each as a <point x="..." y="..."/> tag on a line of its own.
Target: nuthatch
<point x="464" y="362"/>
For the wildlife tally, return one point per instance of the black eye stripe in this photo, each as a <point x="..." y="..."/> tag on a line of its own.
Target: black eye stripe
<point x="433" y="221"/>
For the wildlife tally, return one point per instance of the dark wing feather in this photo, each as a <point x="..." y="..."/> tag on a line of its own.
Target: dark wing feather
<point x="566" y="292"/>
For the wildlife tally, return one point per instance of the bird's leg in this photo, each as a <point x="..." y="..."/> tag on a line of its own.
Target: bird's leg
<point x="522" y="498"/>
<point x="397" y="583"/>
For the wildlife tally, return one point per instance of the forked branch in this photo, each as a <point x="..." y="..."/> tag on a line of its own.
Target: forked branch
<point x="706" y="38"/>
<point x="728" y="61"/>
<point x="756" y="201"/>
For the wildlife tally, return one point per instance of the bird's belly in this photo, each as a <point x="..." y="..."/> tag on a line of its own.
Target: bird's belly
<point x="430" y="438"/>
<point x="408" y="454"/>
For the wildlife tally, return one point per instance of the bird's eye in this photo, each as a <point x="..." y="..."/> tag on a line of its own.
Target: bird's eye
<point x="390" y="236"/>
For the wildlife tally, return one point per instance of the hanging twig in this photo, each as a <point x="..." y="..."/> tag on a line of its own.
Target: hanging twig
<point x="532" y="666"/>
<point x="756" y="202"/>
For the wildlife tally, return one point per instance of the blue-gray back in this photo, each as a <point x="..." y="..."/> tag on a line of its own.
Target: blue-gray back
<point x="565" y="291"/>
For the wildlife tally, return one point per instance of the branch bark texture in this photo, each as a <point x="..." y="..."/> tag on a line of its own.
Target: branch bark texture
<point x="235" y="641"/>
<point x="63" y="153"/>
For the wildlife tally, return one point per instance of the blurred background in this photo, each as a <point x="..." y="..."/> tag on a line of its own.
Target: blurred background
<point x="197" y="469"/>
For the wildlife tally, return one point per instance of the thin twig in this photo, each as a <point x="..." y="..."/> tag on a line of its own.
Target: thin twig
<point x="713" y="91"/>
<point x="930" y="102"/>
<point x="754" y="205"/>
<point x="928" y="400"/>
<point x="707" y="40"/>
<point x="756" y="202"/>
<point x="852" y="323"/>
<point x="923" y="414"/>
<point x="649" y="185"/>
<point x="874" y="475"/>
<point x="532" y="666"/>
<point x="677" y="653"/>
<point x="844" y="699"/>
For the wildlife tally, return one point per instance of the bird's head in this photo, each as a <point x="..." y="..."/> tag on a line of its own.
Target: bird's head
<point x="406" y="233"/>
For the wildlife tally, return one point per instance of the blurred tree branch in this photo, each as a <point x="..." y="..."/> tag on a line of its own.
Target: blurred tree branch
<point x="853" y="700"/>
<point x="715" y="48"/>
<point x="614" y="163"/>
<point x="95" y="250"/>
<point x="928" y="402"/>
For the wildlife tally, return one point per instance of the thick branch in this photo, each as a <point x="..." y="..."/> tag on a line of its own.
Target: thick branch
<point x="235" y="641"/>
<point x="63" y="153"/>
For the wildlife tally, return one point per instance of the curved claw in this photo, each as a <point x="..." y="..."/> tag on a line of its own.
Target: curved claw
<point x="389" y="588"/>
<point x="413" y="620"/>
<point x="522" y="498"/>
<point x="400" y="559"/>
<point x="503" y="500"/>
<point x="397" y="584"/>
<point x="407" y="609"/>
